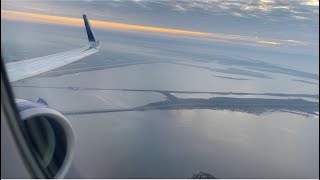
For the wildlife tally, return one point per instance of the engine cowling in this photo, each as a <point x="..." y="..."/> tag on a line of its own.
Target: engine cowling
<point x="50" y="136"/>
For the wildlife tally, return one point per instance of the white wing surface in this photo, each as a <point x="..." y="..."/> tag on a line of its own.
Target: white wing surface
<point x="31" y="67"/>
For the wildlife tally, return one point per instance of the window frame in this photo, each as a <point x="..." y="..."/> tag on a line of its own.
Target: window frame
<point x="17" y="132"/>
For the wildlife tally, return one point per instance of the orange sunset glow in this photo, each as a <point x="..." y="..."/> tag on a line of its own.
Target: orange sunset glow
<point x="49" y="19"/>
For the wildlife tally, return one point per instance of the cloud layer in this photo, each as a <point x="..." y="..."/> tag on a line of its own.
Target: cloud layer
<point x="268" y="22"/>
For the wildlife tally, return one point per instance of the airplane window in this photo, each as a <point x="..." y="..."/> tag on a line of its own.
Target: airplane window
<point x="166" y="89"/>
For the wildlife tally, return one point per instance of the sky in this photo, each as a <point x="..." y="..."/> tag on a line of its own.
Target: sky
<point x="241" y="26"/>
<point x="287" y="25"/>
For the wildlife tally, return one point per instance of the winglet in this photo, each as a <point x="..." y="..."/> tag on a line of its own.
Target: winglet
<point x="92" y="41"/>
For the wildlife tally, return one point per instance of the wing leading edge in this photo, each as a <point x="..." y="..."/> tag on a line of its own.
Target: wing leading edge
<point x="31" y="67"/>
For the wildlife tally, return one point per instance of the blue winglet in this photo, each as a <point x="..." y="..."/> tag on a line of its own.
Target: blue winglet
<point x="93" y="43"/>
<point x="88" y="28"/>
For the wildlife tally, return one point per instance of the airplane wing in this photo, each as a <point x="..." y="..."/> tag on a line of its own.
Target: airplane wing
<point x="31" y="67"/>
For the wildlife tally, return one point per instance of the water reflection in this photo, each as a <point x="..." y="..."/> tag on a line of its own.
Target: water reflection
<point x="177" y="144"/>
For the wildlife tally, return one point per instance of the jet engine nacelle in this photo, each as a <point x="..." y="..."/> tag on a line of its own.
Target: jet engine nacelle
<point x="50" y="136"/>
